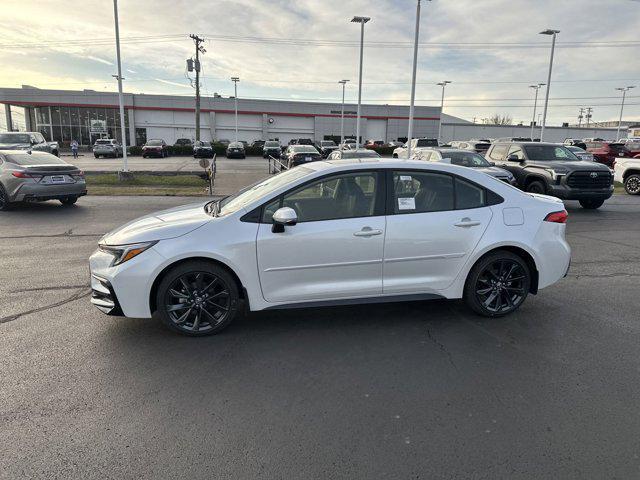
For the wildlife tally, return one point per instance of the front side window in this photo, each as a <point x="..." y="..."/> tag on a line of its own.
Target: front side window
<point x="417" y="192"/>
<point x="548" y="152"/>
<point x="349" y="195"/>
<point x="517" y="151"/>
<point x="498" y="151"/>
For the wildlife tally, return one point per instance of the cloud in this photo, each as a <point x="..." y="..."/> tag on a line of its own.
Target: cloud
<point x="168" y="82"/>
<point x="98" y="59"/>
<point x="131" y="71"/>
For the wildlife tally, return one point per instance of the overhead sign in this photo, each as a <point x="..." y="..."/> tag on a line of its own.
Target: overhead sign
<point x="98" y="126"/>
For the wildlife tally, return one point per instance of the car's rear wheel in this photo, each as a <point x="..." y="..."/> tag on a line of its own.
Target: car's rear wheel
<point x="68" y="201"/>
<point x="5" y="204"/>
<point x="591" y="204"/>
<point x="197" y="298"/>
<point x="498" y="284"/>
<point x="632" y="184"/>
<point x="536" y="187"/>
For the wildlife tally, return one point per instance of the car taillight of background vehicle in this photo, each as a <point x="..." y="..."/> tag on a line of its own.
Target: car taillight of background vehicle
<point x="557" y="217"/>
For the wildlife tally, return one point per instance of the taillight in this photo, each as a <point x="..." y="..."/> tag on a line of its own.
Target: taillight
<point x="25" y="175"/>
<point x="557" y="217"/>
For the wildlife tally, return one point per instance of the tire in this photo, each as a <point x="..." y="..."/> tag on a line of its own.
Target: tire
<point x="591" y="204"/>
<point x="497" y="284"/>
<point x="536" y="186"/>
<point x="144" y="156"/>
<point x="395" y="155"/>
<point x="5" y="204"/>
<point x="67" y="202"/>
<point x="97" y="156"/>
<point x="185" y="288"/>
<point x="632" y="184"/>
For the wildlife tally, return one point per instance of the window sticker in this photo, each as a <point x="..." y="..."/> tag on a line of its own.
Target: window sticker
<point x="405" y="178"/>
<point x="407" y="203"/>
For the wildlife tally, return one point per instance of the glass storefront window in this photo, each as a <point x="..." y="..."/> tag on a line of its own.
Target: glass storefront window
<point x="66" y="133"/>
<point x="64" y="116"/>
<point x="100" y="114"/>
<point x="56" y="133"/>
<point x="55" y="115"/>
<point x="75" y="117"/>
<point x="45" y="130"/>
<point x="84" y="116"/>
<point x="86" y="139"/>
<point x="42" y="115"/>
<point x="141" y="136"/>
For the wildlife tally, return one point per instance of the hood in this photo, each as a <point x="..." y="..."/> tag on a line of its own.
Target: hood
<point x="163" y="225"/>
<point x="573" y="165"/>
<point x="494" y="171"/>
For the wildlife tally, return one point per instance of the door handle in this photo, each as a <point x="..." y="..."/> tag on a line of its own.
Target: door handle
<point x="467" y="222"/>
<point x="367" y="232"/>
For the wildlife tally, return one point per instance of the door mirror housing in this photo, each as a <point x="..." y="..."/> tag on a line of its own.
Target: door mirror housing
<point x="284" y="216"/>
<point x="514" y="158"/>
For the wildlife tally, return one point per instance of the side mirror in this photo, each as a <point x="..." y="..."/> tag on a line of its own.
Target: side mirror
<point x="514" y="158"/>
<point x="493" y="164"/>
<point x="284" y="216"/>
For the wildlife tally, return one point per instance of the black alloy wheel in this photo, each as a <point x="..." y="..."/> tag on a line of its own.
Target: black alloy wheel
<point x="197" y="298"/>
<point x="498" y="284"/>
<point x="632" y="184"/>
<point x="536" y="187"/>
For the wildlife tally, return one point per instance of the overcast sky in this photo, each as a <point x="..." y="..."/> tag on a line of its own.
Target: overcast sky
<point x="299" y="49"/>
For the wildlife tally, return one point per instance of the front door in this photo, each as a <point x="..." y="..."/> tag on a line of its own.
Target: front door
<point x="435" y="223"/>
<point x="335" y="250"/>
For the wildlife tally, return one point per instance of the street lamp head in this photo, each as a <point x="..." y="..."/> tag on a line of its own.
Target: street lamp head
<point x="235" y="79"/>
<point x="443" y="83"/>
<point x="360" y="19"/>
<point x="343" y="81"/>
<point x="549" y="32"/>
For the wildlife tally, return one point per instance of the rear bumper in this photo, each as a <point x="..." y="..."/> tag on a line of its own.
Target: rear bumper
<point x="152" y="153"/>
<point x="566" y="193"/>
<point x="35" y="192"/>
<point x="236" y="155"/>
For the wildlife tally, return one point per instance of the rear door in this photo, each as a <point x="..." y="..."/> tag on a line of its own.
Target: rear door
<point x="335" y="250"/>
<point x="434" y="223"/>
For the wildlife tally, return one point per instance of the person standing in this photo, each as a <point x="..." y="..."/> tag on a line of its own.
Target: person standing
<point x="74" y="148"/>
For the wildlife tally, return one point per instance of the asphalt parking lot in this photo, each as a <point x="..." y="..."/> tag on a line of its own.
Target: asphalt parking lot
<point x="417" y="390"/>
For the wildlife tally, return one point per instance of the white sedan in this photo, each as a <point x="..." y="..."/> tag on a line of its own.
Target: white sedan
<point x="331" y="233"/>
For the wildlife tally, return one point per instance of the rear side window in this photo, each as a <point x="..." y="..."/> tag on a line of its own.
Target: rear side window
<point x="498" y="152"/>
<point x="469" y="195"/>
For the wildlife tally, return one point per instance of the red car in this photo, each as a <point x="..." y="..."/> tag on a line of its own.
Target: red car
<point x="606" y="152"/>
<point x="155" y="148"/>
<point x="634" y="148"/>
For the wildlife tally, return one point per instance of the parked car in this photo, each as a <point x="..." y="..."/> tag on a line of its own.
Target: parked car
<point x="257" y="144"/>
<point x="24" y="141"/>
<point x="474" y="146"/>
<point x="401" y="152"/>
<point x="155" y="148"/>
<point x="244" y="143"/>
<point x="374" y="144"/>
<point x="236" y="150"/>
<point x="514" y="139"/>
<point x="107" y="147"/>
<point x="325" y="147"/>
<point x="224" y="141"/>
<point x="396" y="144"/>
<point x="319" y="234"/>
<point x="32" y="176"/>
<point x="581" y="153"/>
<point x="271" y="148"/>
<point x="464" y="158"/>
<point x="202" y="149"/>
<point x="301" y="141"/>
<point x="551" y="169"/>
<point x="627" y="172"/>
<point x="574" y="142"/>
<point x="183" y="142"/>
<point x="296" y="155"/>
<point x="634" y="147"/>
<point x="353" y="153"/>
<point x="607" y="152"/>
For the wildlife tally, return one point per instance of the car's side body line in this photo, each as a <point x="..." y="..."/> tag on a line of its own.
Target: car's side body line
<point x="357" y="301"/>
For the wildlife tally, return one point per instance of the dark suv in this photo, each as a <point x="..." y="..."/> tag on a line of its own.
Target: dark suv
<point x="554" y="170"/>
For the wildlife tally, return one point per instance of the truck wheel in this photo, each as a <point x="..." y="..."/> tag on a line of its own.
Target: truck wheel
<point x="591" y="204"/>
<point x="536" y="187"/>
<point x="632" y="184"/>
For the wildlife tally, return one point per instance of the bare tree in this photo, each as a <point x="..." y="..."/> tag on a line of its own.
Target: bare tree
<point x="497" y="119"/>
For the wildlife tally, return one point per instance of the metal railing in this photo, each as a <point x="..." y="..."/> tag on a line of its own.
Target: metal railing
<point x="276" y="166"/>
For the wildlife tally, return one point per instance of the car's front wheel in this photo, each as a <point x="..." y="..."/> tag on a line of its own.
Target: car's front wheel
<point x="498" y="284"/>
<point x="197" y="298"/>
<point x="591" y="204"/>
<point x="632" y="184"/>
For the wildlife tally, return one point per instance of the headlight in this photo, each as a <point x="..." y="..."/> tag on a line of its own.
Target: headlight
<point x="555" y="174"/>
<point x="124" y="253"/>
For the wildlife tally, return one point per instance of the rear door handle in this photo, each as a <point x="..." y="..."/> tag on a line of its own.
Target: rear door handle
<point x="467" y="222"/>
<point x="367" y="232"/>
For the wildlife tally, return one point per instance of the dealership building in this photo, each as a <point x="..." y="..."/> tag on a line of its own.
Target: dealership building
<point x="62" y="115"/>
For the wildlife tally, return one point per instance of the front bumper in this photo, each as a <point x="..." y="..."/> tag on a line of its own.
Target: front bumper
<point x="35" y="192"/>
<point x="235" y="154"/>
<point x="565" y="192"/>
<point x="104" y="297"/>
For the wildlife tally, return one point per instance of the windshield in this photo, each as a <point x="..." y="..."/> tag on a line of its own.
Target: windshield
<point x="39" y="158"/>
<point x="255" y="192"/>
<point x="304" y="149"/>
<point x="14" y="138"/>
<point x="466" y="159"/>
<point x="271" y="144"/>
<point x="542" y="153"/>
<point x="154" y="143"/>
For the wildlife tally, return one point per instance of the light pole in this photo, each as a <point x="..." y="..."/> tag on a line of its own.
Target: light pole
<point x="443" y="84"/>
<point x="624" y="91"/>
<point x="361" y="21"/>
<point x="413" y="80"/>
<point x="344" y="83"/>
<point x="120" y="99"/>
<point x="553" y="34"/>
<point x="235" y="81"/>
<point x="535" y="105"/>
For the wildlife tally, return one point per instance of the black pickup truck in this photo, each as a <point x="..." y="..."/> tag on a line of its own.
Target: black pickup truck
<point x="554" y="170"/>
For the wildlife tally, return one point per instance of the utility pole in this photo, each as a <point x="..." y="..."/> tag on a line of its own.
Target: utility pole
<point x="123" y="131"/>
<point x="535" y="105"/>
<point x="443" y="84"/>
<point x="199" y="49"/>
<point x="344" y="83"/>
<point x="235" y="81"/>
<point x="580" y="117"/>
<point x="361" y="21"/>
<point x="553" y="34"/>
<point x="588" y="115"/>
<point x="413" y="81"/>
<point x="624" y="91"/>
